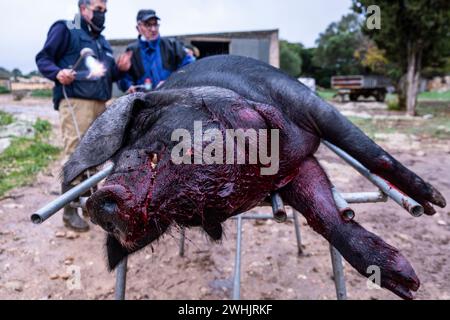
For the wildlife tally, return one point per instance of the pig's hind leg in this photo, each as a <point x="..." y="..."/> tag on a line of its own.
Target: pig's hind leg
<point x="310" y="193"/>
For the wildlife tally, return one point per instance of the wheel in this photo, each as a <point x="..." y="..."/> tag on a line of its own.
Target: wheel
<point x="380" y="96"/>
<point x="354" y="97"/>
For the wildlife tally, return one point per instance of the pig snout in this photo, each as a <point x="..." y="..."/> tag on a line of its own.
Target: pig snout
<point x="105" y="205"/>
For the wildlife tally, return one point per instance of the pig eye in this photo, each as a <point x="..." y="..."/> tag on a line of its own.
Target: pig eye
<point x="109" y="206"/>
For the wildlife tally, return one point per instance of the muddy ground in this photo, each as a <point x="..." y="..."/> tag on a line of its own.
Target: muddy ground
<point x="39" y="262"/>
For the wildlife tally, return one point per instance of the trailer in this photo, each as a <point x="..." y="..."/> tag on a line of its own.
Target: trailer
<point x="359" y="85"/>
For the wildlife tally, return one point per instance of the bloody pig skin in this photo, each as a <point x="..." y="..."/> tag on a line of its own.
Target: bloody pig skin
<point x="147" y="192"/>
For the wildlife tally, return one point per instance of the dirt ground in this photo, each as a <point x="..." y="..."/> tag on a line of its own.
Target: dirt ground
<point x="39" y="262"/>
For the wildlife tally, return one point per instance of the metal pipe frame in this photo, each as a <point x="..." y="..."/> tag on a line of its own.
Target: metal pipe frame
<point x="297" y="232"/>
<point x="338" y="274"/>
<point x="279" y="214"/>
<point x="409" y="204"/>
<point x="182" y="238"/>
<point x="342" y="202"/>
<point x="237" y="263"/>
<point x="121" y="280"/>
<point x="53" y="207"/>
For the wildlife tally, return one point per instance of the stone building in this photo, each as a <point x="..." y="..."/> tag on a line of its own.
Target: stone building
<point x="262" y="45"/>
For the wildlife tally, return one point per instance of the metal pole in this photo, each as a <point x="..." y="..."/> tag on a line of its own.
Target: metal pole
<point x="412" y="206"/>
<point x="121" y="279"/>
<point x="346" y="212"/>
<point x="257" y="216"/>
<point x="279" y="212"/>
<point x="297" y="232"/>
<point x="336" y="258"/>
<point x="182" y="238"/>
<point x="364" y="197"/>
<point x="338" y="274"/>
<point x="50" y="209"/>
<point x="237" y="263"/>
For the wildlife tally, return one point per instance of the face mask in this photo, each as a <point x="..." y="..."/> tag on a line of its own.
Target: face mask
<point x="98" y="19"/>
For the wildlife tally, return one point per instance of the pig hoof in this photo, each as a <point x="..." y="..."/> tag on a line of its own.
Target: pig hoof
<point x="400" y="278"/>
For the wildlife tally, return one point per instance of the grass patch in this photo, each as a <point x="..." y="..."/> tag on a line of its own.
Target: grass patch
<point x="5" y="118"/>
<point x="43" y="128"/>
<point x="371" y="126"/>
<point x="25" y="157"/>
<point x="426" y="97"/>
<point x="434" y="96"/>
<point x="437" y="127"/>
<point x="392" y="104"/>
<point x="4" y="90"/>
<point x="42" y="93"/>
<point x="326" y="94"/>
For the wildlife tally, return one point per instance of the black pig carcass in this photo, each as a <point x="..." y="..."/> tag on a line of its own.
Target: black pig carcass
<point x="148" y="191"/>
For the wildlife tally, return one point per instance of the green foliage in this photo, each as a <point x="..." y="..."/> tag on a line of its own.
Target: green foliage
<point x="393" y="104"/>
<point x="290" y="58"/>
<point x="25" y="157"/>
<point x="16" y="73"/>
<point x="435" y="96"/>
<point x="34" y="73"/>
<point x="42" y="93"/>
<point x="4" y="90"/>
<point x="43" y="128"/>
<point x="438" y="127"/>
<point x="5" y="118"/>
<point x="326" y="94"/>
<point x="5" y="73"/>
<point x="405" y="25"/>
<point x="336" y="47"/>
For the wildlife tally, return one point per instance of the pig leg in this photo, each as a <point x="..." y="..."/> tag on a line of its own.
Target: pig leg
<point x="310" y="193"/>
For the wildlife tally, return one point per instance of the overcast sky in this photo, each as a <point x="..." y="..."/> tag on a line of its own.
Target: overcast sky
<point x="25" y="23"/>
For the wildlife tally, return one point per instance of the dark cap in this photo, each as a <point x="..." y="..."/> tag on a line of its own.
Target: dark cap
<point x="145" y="15"/>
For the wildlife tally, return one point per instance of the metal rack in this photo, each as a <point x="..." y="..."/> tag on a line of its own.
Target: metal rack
<point x="342" y="201"/>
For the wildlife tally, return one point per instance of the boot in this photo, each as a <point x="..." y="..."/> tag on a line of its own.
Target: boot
<point x="71" y="218"/>
<point x="73" y="221"/>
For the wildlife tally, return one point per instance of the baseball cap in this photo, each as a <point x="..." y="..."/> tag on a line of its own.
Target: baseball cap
<point x="144" y="15"/>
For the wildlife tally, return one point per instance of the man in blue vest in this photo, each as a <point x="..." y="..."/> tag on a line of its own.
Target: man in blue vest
<point x="154" y="57"/>
<point x="80" y="95"/>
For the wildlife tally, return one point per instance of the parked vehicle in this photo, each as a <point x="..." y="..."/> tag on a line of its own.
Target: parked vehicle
<point x="359" y="85"/>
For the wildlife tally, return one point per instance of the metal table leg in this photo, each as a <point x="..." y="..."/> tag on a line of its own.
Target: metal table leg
<point x="237" y="264"/>
<point x="338" y="274"/>
<point x="121" y="279"/>
<point x="297" y="232"/>
<point x="182" y="238"/>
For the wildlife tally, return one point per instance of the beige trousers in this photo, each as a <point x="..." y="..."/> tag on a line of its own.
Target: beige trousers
<point x="85" y="111"/>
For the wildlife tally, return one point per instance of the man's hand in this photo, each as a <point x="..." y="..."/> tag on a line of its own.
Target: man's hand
<point x="124" y="61"/>
<point x="66" y="76"/>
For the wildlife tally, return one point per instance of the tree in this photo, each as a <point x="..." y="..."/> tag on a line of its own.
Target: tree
<point x="414" y="34"/>
<point x="336" y="46"/>
<point x="4" y="73"/>
<point x="34" y="73"/>
<point x="290" y="58"/>
<point x="16" y="73"/>
<point x="372" y="57"/>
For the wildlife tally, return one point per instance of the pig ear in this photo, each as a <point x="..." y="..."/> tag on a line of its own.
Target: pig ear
<point x="116" y="253"/>
<point x="104" y="137"/>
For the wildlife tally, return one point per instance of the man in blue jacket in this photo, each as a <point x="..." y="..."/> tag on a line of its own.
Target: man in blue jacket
<point x="86" y="94"/>
<point x="154" y="57"/>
